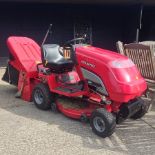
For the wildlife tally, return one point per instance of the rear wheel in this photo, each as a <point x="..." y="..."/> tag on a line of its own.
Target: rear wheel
<point x="42" y="96"/>
<point x="102" y="122"/>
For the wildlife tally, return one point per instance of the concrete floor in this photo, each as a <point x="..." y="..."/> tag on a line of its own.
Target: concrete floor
<point x="26" y="130"/>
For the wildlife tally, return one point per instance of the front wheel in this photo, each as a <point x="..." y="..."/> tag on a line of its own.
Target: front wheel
<point x="141" y="112"/>
<point x="102" y="122"/>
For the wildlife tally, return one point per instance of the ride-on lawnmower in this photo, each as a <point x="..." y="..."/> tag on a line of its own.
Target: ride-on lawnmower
<point x="81" y="81"/>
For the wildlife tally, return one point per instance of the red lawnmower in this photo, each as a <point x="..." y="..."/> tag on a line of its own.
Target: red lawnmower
<point x="81" y="81"/>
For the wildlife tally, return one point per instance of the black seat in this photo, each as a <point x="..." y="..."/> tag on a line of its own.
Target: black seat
<point x="53" y="60"/>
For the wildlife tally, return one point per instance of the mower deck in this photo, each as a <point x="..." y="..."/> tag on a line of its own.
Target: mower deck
<point x="75" y="107"/>
<point x="72" y="103"/>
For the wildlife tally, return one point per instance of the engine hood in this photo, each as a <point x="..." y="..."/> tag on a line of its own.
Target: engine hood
<point x="118" y="73"/>
<point x="99" y="54"/>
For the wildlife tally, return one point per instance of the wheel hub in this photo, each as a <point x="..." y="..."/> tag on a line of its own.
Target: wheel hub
<point x="99" y="124"/>
<point x="38" y="96"/>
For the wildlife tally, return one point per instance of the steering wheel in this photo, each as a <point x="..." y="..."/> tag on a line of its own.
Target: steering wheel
<point x="69" y="44"/>
<point x="73" y="41"/>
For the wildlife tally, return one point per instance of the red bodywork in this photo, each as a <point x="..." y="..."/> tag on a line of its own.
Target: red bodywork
<point x="123" y="82"/>
<point x="121" y="78"/>
<point x="26" y="54"/>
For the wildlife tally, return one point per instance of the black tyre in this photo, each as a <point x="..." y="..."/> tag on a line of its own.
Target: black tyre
<point x="102" y="123"/>
<point x="54" y="107"/>
<point x="141" y="112"/>
<point x="42" y="96"/>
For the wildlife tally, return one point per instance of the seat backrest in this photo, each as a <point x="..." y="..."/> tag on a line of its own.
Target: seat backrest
<point x="57" y="59"/>
<point x="50" y="53"/>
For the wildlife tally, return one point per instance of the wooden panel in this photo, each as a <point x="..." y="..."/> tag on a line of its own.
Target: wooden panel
<point x="151" y="44"/>
<point x="142" y="56"/>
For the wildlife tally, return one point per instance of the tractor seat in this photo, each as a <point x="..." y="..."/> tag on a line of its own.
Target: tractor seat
<point x="53" y="60"/>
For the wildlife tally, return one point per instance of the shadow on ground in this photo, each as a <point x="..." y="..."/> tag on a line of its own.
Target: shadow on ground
<point x="135" y="137"/>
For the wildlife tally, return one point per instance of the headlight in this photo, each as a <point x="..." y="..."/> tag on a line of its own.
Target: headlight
<point x="122" y="63"/>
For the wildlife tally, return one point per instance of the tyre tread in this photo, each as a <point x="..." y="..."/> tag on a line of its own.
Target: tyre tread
<point x="109" y="119"/>
<point x="48" y="97"/>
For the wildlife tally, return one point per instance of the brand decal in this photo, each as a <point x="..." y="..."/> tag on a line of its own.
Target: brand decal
<point x="87" y="63"/>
